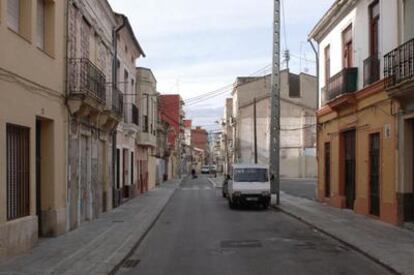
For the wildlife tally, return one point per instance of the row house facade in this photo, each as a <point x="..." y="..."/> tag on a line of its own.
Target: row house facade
<point x="172" y="113"/>
<point x="162" y="151"/>
<point x="128" y="130"/>
<point x="365" y="123"/>
<point x="33" y="123"/>
<point x="227" y="123"/>
<point x="251" y="101"/>
<point x="95" y="109"/>
<point x="72" y="117"/>
<point x="188" y="149"/>
<point x="146" y="141"/>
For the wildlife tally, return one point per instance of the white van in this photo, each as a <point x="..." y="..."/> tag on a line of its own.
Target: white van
<point x="249" y="183"/>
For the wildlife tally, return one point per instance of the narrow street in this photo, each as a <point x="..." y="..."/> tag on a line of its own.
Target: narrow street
<point x="198" y="234"/>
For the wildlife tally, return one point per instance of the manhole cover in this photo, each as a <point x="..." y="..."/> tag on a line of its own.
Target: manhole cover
<point x="240" y="244"/>
<point x="131" y="263"/>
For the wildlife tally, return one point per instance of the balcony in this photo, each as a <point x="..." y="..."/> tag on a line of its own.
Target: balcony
<point x="146" y="139"/>
<point x="399" y="67"/>
<point x="345" y="82"/>
<point x="86" y="80"/>
<point x="90" y="97"/>
<point x="371" y="70"/>
<point x="131" y="115"/>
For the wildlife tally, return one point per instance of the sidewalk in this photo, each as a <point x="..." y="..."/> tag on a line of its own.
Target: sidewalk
<point x="387" y="244"/>
<point x="96" y="247"/>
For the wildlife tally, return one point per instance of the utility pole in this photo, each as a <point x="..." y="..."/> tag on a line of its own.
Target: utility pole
<point x="255" y="129"/>
<point x="275" y="107"/>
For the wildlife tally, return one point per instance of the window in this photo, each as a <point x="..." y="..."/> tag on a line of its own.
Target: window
<point x="374" y="28"/>
<point x="250" y="175"/>
<point x="126" y="75"/>
<point x="18" y="171"/>
<point x="13" y="14"/>
<point x="347" y="47"/>
<point x="40" y="37"/>
<point x="19" y="17"/>
<point x="294" y="86"/>
<point x="327" y="64"/>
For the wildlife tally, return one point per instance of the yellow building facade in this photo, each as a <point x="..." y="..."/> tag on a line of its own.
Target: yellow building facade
<point x="357" y="155"/>
<point x="33" y="123"/>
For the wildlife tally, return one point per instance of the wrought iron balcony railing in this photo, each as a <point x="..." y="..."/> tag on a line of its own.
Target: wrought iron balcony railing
<point x="344" y="82"/>
<point x="131" y="114"/>
<point x="399" y="65"/>
<point x="86" y="79"/>
<point x="371" y="70"/>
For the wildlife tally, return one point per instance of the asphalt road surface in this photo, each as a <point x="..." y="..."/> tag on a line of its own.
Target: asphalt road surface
<point x="299" y="187"/>
<point x="198" y="234"/>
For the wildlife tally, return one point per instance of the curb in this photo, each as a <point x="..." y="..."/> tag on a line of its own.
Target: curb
<point x="342" y="241"/>
<point x="116" y="268"/>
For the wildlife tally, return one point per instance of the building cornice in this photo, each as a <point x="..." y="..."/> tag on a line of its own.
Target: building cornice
<point x="331" y="18"/>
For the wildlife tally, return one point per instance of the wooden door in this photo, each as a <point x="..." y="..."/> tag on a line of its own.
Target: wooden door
<point x="349" y="169"/>
<point x="374" y="171"/>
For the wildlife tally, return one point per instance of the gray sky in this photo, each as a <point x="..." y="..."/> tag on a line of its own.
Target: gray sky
<point x="196" y="46"/>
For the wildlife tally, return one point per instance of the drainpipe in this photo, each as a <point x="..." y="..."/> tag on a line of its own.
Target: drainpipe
<point x="65" y="75"/>
<point x="316" y="51"/>
<point x="114" y="86"/>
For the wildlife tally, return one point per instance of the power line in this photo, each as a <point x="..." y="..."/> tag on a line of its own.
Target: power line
<point x="222" y="90"/>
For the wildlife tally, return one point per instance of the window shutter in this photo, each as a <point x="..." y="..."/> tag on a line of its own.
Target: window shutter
<point x="13" y="14"/>
<point x="40" y="39"/>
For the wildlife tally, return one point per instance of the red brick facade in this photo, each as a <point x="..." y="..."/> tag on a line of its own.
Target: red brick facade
<point x="199" y="138"/>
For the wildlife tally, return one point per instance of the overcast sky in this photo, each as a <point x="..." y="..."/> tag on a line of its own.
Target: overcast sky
<point x="197" y="46"/>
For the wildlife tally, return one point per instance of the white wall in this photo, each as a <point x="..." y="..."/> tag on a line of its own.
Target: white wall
<point x="408" y="20"/>
<point x="359" y="18"/>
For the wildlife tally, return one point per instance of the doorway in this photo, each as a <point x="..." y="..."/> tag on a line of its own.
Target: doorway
<point x="44" y="178"/>
<point x="374" y="172"/>
<point x="125" y="177"/>
<point x="349" y="168"/>
<point x="39" y="175"/>
<point x="84" y="178"/>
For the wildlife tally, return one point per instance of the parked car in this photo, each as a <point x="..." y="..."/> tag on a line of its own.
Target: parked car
<point x="205" y="169"/>
<point x="249" y="183"/>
